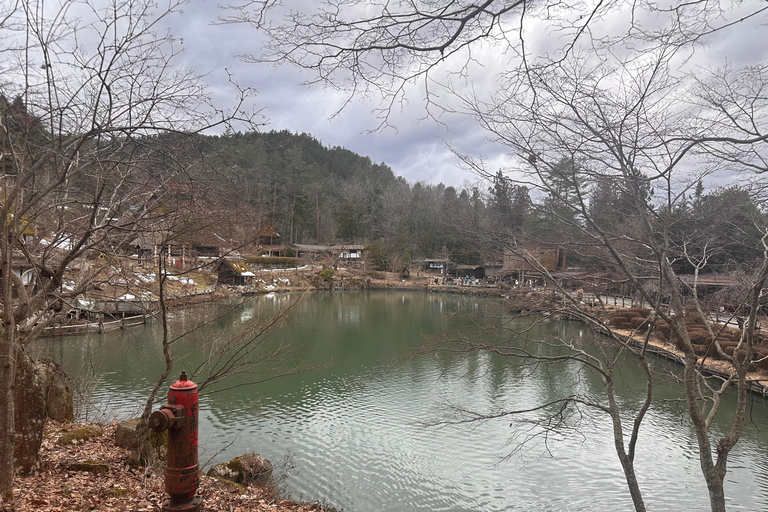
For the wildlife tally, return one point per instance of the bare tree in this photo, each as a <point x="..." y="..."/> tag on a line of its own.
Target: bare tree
<point x="384" y="49"/>
<point x="598" y="356"/>
<point x="598" y="106"/>
<point x="651" y="135"/>
<point x="88" y="91"/>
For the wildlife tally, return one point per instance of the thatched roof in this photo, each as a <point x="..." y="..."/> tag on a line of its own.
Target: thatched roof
<point x="530" y="258"/>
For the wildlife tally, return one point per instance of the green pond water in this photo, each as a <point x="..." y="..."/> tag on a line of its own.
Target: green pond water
<point x="355" y="425"/>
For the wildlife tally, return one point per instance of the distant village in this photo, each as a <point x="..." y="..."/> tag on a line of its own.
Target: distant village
<point x="207" y="266"/>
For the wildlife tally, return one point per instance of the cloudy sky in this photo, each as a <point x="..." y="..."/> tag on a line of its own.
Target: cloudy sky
<point x="416" y="149"/>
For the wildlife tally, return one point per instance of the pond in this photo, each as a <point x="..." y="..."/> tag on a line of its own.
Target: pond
<point x="354" y="425"/>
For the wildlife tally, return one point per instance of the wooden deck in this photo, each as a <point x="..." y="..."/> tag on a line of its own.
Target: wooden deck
<point x="96" y="327"/>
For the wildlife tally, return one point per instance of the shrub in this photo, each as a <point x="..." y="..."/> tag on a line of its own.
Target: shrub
<point x="759" y="353"/>
<point x="699" y="336"/>
<point x="728" y="346"/>
<point x="694" y="319"/>
<point x="704" y="350"/>
<point x="616" y="321"/>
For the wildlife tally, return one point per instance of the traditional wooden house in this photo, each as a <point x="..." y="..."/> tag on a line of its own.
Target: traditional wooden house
<point x="494" y="269"/>
<point x="436" y="266"/>
<point x="470" y="271"/>
<point x="234" y="272"/>
<point x="347" y="252"/>
<point x="148" y="247"/>
<point x="312" y="252"/>
<point x="197" y="247"/>
<point x="269" y="242"/>
<point x="181" y="250"/>
<point x="29" y="277"/>
<point x="526" y="264"/>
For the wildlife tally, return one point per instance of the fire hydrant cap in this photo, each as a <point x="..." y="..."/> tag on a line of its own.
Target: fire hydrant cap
<point x="183" y="382"/>
<point x="160" y="421"/>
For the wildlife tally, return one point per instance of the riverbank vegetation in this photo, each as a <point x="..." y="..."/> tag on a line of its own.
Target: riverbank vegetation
<point x="94" y="112"/>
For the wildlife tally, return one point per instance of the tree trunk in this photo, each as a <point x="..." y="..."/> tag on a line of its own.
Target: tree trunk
<point x="631" y="478"/>
<point x="7" y="374"/>
<point x="626" y="459"/>
<point x="7" y="413"/>
<point x="716" y="492"/>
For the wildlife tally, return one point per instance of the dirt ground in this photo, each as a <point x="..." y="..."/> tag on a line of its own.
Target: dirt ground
<point x="95" y="476"/>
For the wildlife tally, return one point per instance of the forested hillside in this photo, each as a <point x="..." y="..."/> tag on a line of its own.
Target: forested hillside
<point x="317" y="194"/>
<point x="327" y="195"/>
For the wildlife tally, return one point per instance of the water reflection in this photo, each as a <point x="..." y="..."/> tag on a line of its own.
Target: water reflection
<point x="354" y="426"/>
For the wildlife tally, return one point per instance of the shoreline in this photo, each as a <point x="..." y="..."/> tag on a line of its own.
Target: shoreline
<point x="540" y="303"/>
<point x="520" y="300"/>
<point x="58" y="487"/>
<point x="95" y="475"/>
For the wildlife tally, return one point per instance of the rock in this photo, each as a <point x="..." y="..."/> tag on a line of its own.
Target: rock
<point x="117" y="492"/>
<point x="57" y="391"/>
<point x="79" y="434"/>
<point x="40" y="390"/>
<point x="243" y="469"/>
<point x="126" y="435"/>
<point x="29" y="414"/>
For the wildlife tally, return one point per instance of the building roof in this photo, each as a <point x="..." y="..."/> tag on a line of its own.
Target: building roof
<point x="533" y="258"/>
<point x="349" y="247"/>
<point x="469" y="267"/>
<point x="239" y="267"/>
<point x="709" y="280"/>
<point x="311" y="248"/>
<point x="267" y="230"/>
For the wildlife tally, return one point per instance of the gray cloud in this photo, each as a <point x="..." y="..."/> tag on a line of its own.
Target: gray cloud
<point x="415" y="149"/>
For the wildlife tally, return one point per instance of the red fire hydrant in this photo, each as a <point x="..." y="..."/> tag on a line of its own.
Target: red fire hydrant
<point x="182" y="472"/>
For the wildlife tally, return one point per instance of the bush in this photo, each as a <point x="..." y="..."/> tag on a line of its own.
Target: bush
<point x="325" y="274"/>
<point x="692" y="318"/>
<point x="662" y="327"/>
<point x="705" y="351"/>
<point x="618" y="317"/>
<point x="699" y="336"/>
<point x="728" y="346"/>
<point x="616" y="321"/>
<point x="760" y="353"/>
